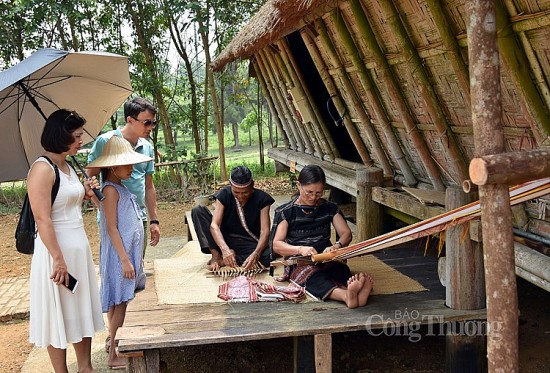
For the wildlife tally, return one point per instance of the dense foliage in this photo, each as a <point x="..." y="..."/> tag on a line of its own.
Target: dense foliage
<point x="169" y="44"/>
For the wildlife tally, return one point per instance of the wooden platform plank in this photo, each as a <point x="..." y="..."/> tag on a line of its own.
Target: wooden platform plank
<point x="199" y="324"/>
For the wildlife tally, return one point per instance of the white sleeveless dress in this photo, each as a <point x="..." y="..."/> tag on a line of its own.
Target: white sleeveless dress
<point x="57" y="316"/>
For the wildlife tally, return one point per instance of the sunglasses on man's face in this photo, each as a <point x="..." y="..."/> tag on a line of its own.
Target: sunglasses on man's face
<point x="147" y="122"/>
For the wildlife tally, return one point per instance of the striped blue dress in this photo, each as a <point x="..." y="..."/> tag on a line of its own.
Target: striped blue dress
<point x="115" y="289"/>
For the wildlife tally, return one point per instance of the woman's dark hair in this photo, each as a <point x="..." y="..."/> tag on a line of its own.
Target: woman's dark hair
<point x="57" y="135"/>
<point x="312" y="174"/>
<point x="133" y="107"/>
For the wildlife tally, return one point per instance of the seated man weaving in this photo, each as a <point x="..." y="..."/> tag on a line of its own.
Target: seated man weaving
<point x="237" y="233"/>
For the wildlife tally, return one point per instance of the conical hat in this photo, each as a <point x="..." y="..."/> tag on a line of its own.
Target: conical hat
<point x="118" y="152"/>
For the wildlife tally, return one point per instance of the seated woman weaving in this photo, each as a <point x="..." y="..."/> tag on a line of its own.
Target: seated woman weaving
<point x="304" y="229"/>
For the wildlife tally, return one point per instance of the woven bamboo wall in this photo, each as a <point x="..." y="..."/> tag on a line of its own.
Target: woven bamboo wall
<point x="428" y="91"/>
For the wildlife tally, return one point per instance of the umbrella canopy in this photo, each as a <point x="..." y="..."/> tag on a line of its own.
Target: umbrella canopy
<point x="94" y="84"/>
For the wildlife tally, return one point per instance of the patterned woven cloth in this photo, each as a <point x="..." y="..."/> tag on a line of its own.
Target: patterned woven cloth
<point x="244" y="289"/>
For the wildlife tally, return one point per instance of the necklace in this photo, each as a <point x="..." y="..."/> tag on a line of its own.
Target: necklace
<point x="306" y="209"/>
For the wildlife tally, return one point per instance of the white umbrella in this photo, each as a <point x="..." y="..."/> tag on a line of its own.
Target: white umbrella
<point x="94" y="84"/>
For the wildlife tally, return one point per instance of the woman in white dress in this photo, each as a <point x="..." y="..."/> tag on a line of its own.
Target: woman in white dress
<point x="58" y="316"/>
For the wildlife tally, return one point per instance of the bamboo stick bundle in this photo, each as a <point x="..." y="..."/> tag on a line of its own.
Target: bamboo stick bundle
<point x="225" y="272"/>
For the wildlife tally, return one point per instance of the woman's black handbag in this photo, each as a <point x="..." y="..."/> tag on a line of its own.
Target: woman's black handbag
<point x="25" y="233"/>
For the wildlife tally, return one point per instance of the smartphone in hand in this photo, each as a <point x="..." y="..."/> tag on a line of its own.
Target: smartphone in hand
<point x="73" y="284"/>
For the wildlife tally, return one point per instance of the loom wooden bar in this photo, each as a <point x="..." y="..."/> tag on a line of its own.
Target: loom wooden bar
<point x="510" y="168"/>
<point x="500" y="278"/>
<point x="323" y="353"/>
<point x="369" y="213"/>
<point x="464" y="264"/>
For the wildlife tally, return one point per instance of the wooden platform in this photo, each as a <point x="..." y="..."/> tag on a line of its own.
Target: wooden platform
<point x="149" y="328"/>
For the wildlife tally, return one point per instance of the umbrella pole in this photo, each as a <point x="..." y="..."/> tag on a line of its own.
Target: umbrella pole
<point x="31" y="99"/>
<point x="97" y="192"/>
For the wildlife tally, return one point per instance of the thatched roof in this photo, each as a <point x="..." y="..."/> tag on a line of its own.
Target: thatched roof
<point x="274" y="20"/>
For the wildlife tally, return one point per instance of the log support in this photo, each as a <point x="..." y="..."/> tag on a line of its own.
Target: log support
<point x="369" y="213"/>
<point x="496" y="219"/>
<point x="511" y="168"/>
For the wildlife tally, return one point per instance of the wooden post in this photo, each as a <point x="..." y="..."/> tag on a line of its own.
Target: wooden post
<point x="465" y="353"/>
<point x="464" y="260"/>
<point x="148" y="363"/>
<point x="369" y="213"/>
<point x="396" y="95"/>
<point x="323" y="353"/>
<point x="496" y="221"/>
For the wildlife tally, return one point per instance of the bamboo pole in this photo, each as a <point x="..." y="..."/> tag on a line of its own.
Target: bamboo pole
<point x="452" y="48"/>
<point x="518" y="64"/>
<point x="432" y="104"/>
<point x="396" y="96"/>
<point x="532" y="23"/>
<point x="325" y="138"/>
<point x="338" y="100"/>
<point x="275" y="99"/>
<point x="311" y="128"/>
<point x="271" y="104"/>
<point x="373" y="96"/>
<point x="511" y="168"/>
<point x="347" y="86"/>
<point x="281" y="100"/>
<point x="287" y="106"/>
<point x="334" y="93"/>
<point x="496" y="219"/>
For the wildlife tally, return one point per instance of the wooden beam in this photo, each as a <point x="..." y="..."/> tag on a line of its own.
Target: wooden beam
<point x="510" y="168"/>
<point x="405" y="203"/>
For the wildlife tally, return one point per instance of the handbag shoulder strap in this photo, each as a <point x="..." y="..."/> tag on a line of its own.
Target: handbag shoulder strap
<point x="55" y="187"/>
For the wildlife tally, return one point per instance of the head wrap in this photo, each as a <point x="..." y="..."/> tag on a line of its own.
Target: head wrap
<point x="240" y="177"/>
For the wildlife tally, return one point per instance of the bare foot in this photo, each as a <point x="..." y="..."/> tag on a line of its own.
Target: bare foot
<point x="117" y="363"/>
<point x="354" y="286"/>
<point x="366" y="289"/>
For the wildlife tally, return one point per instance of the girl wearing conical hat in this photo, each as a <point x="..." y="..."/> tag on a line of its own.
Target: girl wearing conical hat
<point x="121" y="230"/>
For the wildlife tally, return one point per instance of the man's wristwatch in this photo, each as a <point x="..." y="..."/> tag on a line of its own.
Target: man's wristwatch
<point x="151" y="222"/>
<point x="339" y="244"/>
